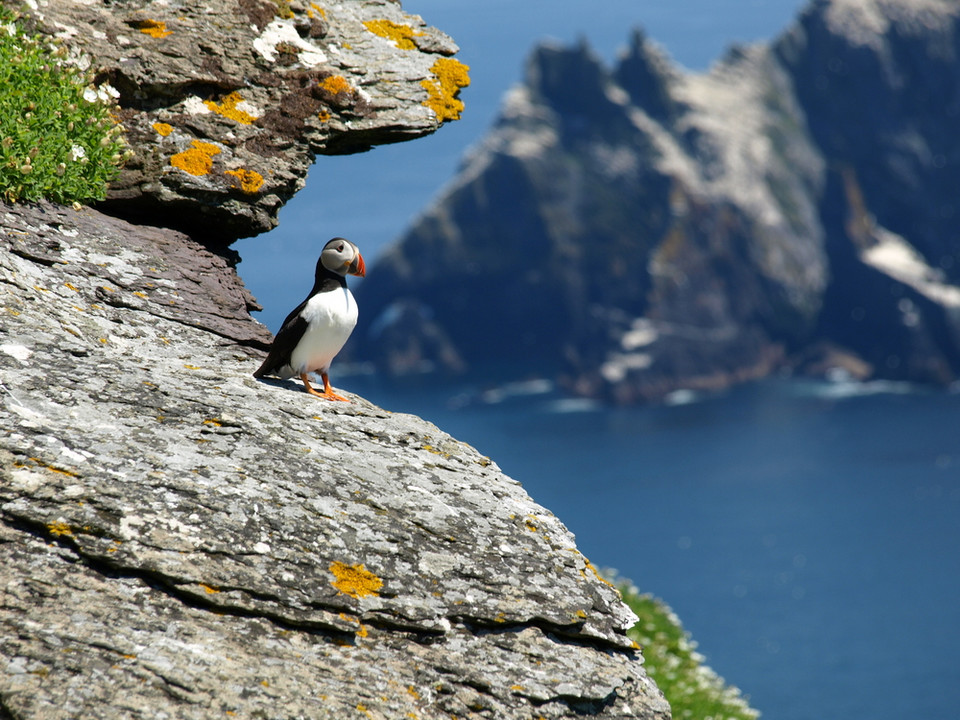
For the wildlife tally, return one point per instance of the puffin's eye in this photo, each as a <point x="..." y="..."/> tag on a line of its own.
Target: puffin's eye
<point x="340" y="248"/>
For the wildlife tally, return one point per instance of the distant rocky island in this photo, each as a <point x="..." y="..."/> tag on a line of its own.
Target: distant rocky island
<point x="637" y="230"/>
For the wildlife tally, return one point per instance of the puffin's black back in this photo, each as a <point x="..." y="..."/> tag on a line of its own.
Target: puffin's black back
<point x="294" y="326"/>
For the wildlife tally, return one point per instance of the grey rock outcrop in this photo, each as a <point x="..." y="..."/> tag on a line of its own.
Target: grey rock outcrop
<point x="226" y="102"/>
<point x="179" y="540"/>
<point x="637" y="230"/>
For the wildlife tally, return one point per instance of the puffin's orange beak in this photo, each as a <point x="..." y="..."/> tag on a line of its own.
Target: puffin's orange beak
<point x="357" y="267"/>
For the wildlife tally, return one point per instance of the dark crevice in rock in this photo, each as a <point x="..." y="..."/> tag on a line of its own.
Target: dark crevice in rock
<point x="566" y="634"/>
<point x="162" y="583"/>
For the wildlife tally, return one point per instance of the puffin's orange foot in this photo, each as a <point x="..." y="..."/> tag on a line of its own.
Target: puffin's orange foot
<point x="333" y="396"/>
<point x="327" y="394"/>
<point x="328" y="391"/>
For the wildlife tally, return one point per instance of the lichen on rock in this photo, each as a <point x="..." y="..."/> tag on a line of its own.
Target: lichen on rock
<point x="176" y="535"/>
<point x="272" y="83"/>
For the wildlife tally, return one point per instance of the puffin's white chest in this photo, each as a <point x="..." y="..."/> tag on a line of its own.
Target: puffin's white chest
<point x="331" y="317"/>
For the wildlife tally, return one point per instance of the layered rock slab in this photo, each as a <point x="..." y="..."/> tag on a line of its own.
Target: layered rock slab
<point x="179" y="537"/>
<point x="226" y="102"/>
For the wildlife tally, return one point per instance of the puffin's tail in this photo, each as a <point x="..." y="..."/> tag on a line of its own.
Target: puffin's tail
<point x="264" y="368"/>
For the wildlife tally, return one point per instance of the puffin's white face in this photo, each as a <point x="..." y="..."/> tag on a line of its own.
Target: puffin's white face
<point x="342" y="256"/>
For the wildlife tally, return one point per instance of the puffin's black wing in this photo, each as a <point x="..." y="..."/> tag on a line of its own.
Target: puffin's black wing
<point x="284" y="343"/>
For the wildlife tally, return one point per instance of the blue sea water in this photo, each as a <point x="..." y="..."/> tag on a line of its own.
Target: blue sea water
<point x="807" y="534"/>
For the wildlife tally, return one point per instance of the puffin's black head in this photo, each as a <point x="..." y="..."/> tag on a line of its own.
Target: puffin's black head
<point x="341" y="257"/>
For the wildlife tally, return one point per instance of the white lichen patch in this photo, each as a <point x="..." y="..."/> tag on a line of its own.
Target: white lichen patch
<point x="194" y="105"/>
<point x="20" y="352"/>
<point x="283" y="32"/>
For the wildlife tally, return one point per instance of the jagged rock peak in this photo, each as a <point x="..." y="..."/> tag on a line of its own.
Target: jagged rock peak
<point x="226" y="102"/>
<point x="646" y="72"/>
<point x="566" y="78"/>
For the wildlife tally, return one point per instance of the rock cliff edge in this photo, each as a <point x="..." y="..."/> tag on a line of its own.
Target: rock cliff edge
<point x="179" y="540"/>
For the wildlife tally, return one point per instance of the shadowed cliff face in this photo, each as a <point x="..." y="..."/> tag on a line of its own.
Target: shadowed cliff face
<point x="179" y="537"/>
<point x="634" y="231"/>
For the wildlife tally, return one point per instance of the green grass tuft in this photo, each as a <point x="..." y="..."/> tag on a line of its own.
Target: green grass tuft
<point x="58" y="140"/>
<point x="694" y="691"/>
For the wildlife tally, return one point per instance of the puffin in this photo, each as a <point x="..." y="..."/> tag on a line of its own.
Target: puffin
<point x="317" y="329"/>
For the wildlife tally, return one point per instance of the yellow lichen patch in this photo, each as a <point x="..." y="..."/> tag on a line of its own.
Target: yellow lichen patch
<point x="228" y="108"/>
<point x="361" y="629"/>
<point x="193" y="367"/>
<point x="153" y="28"/>
<point x="401" y="35"/>
<point x="355" y="580"/>
<point x="70" y="287"/>
<point x="336" y="84"/>
<point x="53" y="469"/>
<point x="209" y="589"/>
<point x="450" y="75"/>
<point x="413" y="692"/>
<point x="596" y="572"/>
<point x="323" y="116"/>
<point x="197" y="159"/>
<point x="314" y="8"/>
<point x="59" y="528"/>
<point x="435" y="451"/>
<point x="250" y="180"/>
<point x="163" y="129"/>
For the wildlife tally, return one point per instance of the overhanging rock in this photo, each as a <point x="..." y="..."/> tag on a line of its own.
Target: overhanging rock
<point x="226" y="102"/>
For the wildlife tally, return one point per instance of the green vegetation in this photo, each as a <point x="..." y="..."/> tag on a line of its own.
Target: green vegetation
<point x="58" y="140"/>
<point x="694" y="691"/>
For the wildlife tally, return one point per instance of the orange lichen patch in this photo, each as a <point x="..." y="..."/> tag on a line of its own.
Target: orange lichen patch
<point x="401" y="35"/>
<point x="48" y="466"/>
<point x="596" y="572"/>
<point x="355" y="580"/>
<point x="361" y="629"/>
<point x="163" y="129"/>
<point x="228" y="108"/>
<point x="323" y="116"/>
<point x="59" y="528"/>
<point x="250" y="180"/>
<point x="209" y="589"/>
<point x="197" y="159"/>
<point x="153" y="28"/>
<point x="336" y="84"/>
<point x="450" y="75"/>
